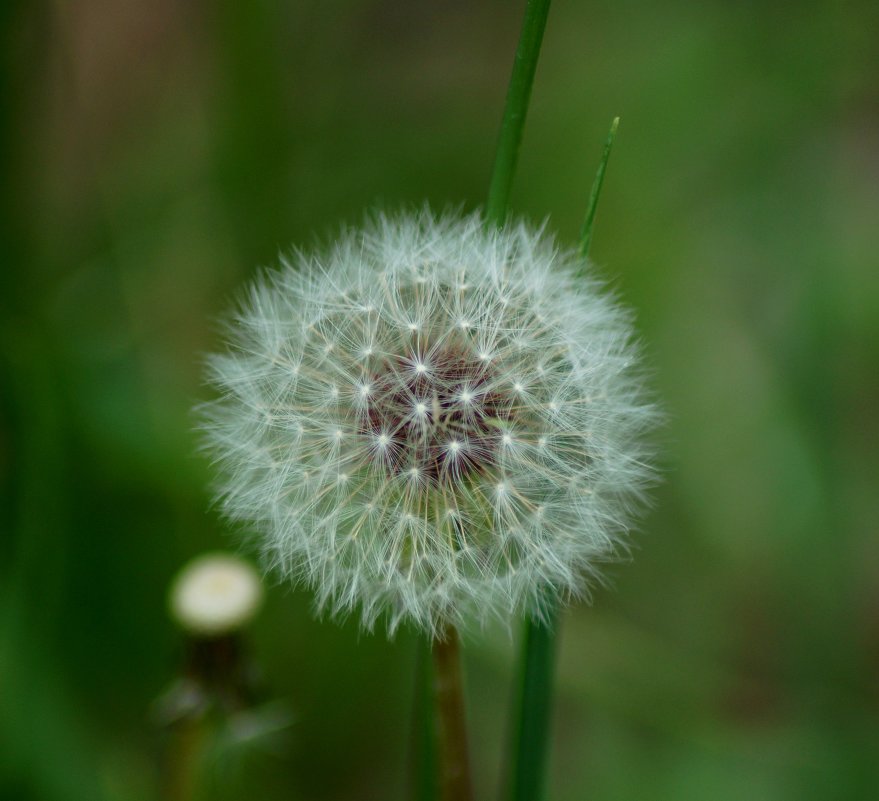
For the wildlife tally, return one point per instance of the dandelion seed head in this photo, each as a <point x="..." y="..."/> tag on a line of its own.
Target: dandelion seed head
<point x="416" y="446"/>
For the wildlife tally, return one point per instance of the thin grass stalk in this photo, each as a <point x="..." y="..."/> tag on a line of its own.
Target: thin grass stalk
<point x="515" y="109"/>
<point x="532" y="726"/>
<point x="423" y="754"/>
<point x="592" y="206"/>
<point x="539" y="650"/>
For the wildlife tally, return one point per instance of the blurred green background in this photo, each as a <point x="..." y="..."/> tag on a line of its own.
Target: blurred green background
<point x="154" y="155"/>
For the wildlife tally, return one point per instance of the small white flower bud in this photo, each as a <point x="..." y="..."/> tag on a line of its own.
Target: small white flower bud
<point x="215" y="594"/>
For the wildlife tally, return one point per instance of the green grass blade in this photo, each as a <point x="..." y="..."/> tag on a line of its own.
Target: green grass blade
<point x="423" y="755"/>
<point x="515" y="109"/>
<point x="530" y="746"/>
<point x="532" y="726"/>
<point x="586" y="233"/>
<point x="538" y="655"/>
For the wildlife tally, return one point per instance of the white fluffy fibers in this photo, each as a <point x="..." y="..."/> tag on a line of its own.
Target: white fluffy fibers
<point x="431" y="422"/>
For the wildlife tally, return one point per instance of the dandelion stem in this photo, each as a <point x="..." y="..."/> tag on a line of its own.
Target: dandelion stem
<point x="586" y="233"/>
<point x="184" y="777"/>
<point x="448" y="691"/>
<point x="518" y="95"/>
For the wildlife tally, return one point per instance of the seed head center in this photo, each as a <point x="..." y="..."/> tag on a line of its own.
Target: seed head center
<point x="438" y="422"/>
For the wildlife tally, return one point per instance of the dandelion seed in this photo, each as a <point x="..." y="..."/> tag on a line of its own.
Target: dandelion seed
<point x="445" y="487"/>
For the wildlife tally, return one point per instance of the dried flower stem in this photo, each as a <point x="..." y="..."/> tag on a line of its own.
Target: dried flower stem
<point x="448" y="690"/>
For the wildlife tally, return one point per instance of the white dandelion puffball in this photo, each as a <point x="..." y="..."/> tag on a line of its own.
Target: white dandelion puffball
<point x="431" y="421"/>
<point x="215" y="594"/>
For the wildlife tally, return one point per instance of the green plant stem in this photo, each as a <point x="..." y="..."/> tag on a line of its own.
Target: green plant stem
<point x="539" y="648"/>
<point x="586" y="232"/>
<point x="538" y="654"/>
<point x="424" y="767"/>
<point x="448" y="692"/>
<point x="186" y="767"/>
<point x="532" y="725"/>
<point x="518" y="95"/>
